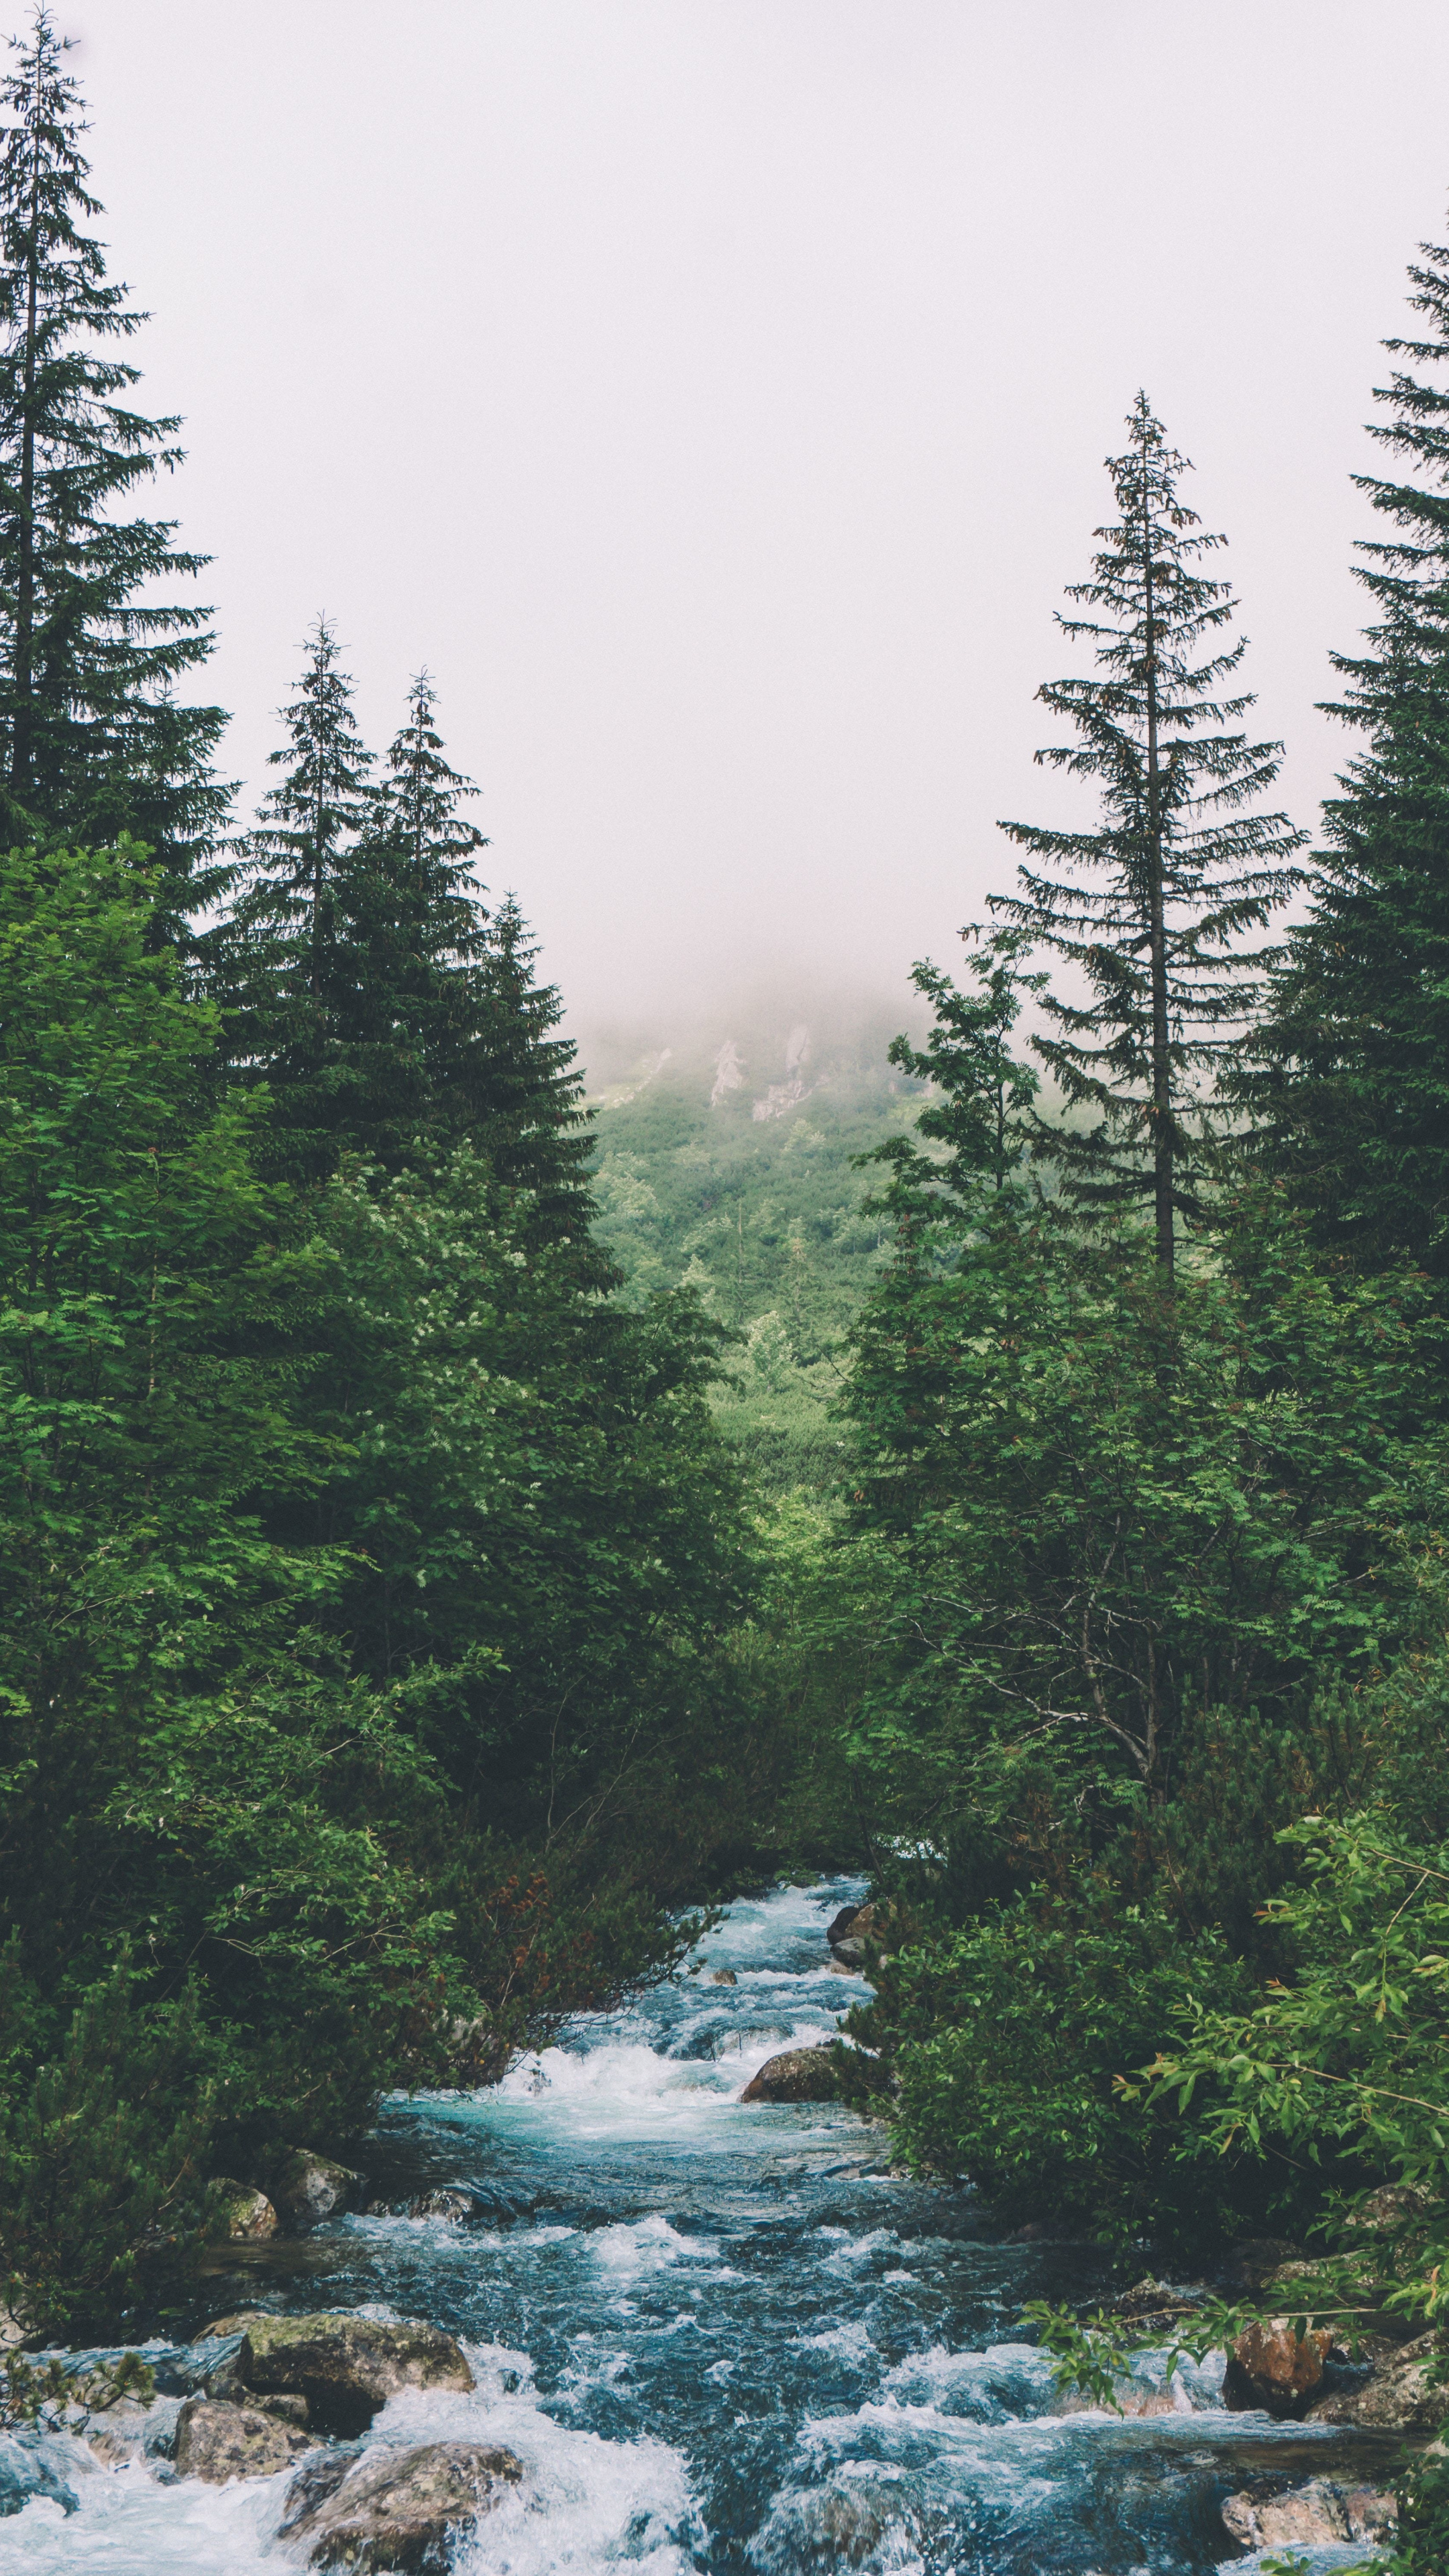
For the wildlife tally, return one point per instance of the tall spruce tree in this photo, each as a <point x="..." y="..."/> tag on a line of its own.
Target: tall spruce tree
<point x="93" y="738"/>
<point x="282" y="958"/>
<point x="532" y="1121"/>
<point x="389" y="1016"/>
<point x="1348" y="1086"/>
<point x="1185" y="866"/>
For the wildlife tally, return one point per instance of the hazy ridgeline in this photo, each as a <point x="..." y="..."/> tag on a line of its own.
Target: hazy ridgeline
<point x="466" y="1504"/>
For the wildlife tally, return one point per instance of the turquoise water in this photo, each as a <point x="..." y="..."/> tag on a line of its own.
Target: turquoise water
<point x="722" y="2338"/>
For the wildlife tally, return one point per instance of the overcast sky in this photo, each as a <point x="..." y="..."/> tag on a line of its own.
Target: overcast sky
<point x="714" y="393"/>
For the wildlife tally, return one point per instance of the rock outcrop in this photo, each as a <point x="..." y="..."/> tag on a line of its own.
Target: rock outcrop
<point x="796" y="2075"/>
<point x="395" y="2510"/>
<point x="308" y="2188"/>
<point x="1271" y="2514"/>
<point x="1273" y="2367"/>
<point x="848" y="1932"/>
<point x="345" y="2366"/>
<point x="217" y="2442"/>
<point x="244" y="2215"/>
<point x="1401" y="2393"/>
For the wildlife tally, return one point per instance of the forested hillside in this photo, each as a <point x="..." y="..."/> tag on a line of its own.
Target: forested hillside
<point x="456" y="1518"/>
<point x="728" y="1162"/>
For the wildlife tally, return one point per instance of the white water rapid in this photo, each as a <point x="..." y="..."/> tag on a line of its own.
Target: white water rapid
<point x="722" y="2339"/>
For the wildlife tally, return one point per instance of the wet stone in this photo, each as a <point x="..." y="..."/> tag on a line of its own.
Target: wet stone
<point x="309" y="2188"/>
<point x="396" y="2509"/>
<point x="796" y="2075"/>
<point x="1270" y="2513"/>
<point x="217" y="2442"/>
<point x="347" y="2366"/>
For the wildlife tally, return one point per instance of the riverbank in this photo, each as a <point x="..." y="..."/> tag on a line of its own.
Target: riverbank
<point x="722" y="2339"/>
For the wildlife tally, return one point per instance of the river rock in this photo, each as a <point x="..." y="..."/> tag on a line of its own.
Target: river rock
<point x="458" y="2206"/>
<point x="1271" y="2514"/>
<point x="217" y="2442"/>
<point x="724" y="1977"/>
<point x="26" y="2473"/>
<point x="852" y="1927"/>
<point x="310" y="2187"/>
<point x="118" y="2433"/>
<point x="244" y="2216"/>
<point x="1272" y="2367"/>
<point x="1369" y="2334"/>
<point x="796" y="2075"/>
<point x="1401" y="2393"/>
<point x="346" y="2366"/>
<point x="396" y="2510"/>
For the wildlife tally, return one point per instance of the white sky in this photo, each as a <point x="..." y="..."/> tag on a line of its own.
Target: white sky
<point x="713" y="393"/>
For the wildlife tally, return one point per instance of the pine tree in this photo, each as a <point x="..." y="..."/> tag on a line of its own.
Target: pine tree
<point x="530" y="1115"/>
<point x="93" y="740"/>
<point x="1186" y="867"/>
<point x="366" y="984"/>
<point x="1349" y="1087"/>
<point x="279" y="960"/>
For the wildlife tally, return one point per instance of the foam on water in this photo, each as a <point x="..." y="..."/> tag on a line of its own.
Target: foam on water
<point x="719" y="2336"/>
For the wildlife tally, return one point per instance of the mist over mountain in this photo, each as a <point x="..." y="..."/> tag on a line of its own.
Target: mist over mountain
<point x="766" y="1047"/>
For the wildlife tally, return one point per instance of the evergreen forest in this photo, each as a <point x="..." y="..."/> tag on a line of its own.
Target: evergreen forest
<point x="454" y="1532"/>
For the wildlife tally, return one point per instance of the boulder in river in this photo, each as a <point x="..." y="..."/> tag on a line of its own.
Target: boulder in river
<point x="345" y="2366"/>
<point x="459" y="2206"/>
<point x="309" y="2187"/>
<point x="216" y="2442"/>
<point x="796" y="2075"/>
<point x="26" y="2473"/>
<point x="1271" y="2514"/>
<point x="849" y="1932"/>
<point x="724" y="1977"/>
<point x="1273" y="2367"/>
<point x="244" y="2215"/>
<point x="395" y="2510"/>
<point x="1400" y="2394"/>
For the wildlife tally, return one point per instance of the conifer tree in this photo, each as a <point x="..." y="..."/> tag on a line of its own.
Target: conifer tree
<point x="282" y="956"/>
<point x="389" y="1017"/>
<point x="93" y="739"/>
<point x="405" y="987"/>
<point x="532" y="1121"/>
<point x="1349" y="1089"/>
<point x="1184" y="865"/>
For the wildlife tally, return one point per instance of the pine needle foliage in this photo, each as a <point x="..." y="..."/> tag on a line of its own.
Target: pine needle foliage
<point x="277" y="959"/>
<point x="1151" y="909"/>
<point x="293" y="858"/>
<point x="93" y="741"/>
<point x="534" y="1125"/>
<point x="1349" y="1083"/>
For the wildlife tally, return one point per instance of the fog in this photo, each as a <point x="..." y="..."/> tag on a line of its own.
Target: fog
<point x="713" y="394"/>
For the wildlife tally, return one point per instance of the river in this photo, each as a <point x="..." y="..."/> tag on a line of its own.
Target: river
<point x="723" y="2339"/>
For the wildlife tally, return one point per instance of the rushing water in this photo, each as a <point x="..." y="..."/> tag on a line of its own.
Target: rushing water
<point x="723" y="2339"/>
